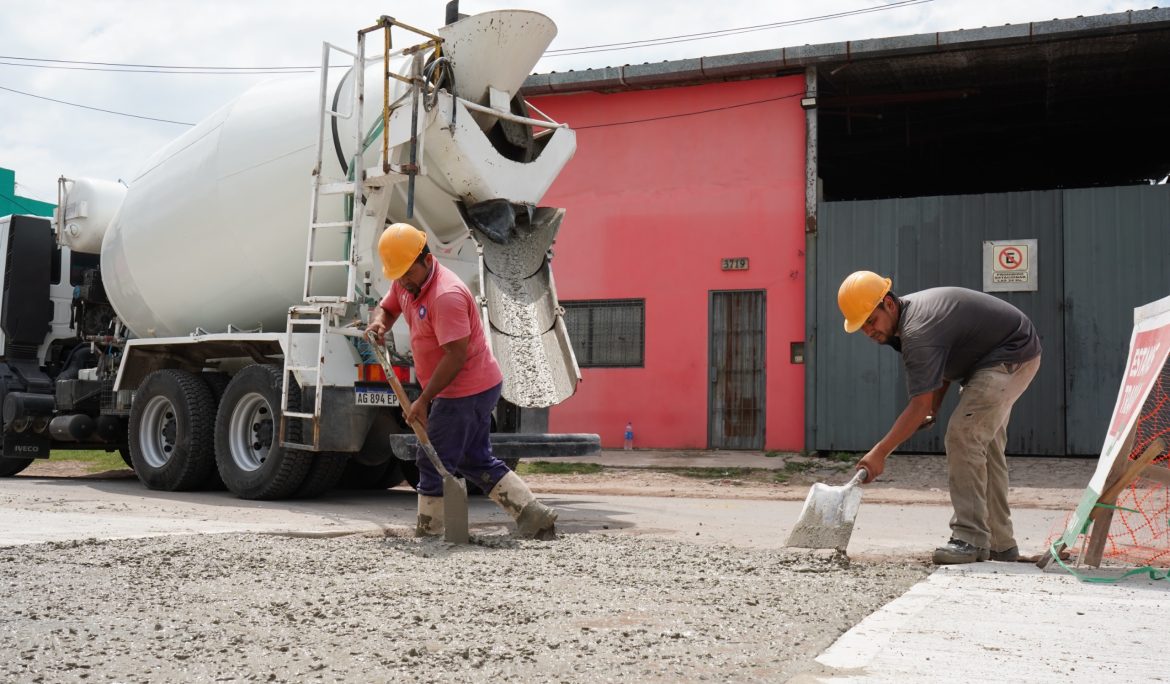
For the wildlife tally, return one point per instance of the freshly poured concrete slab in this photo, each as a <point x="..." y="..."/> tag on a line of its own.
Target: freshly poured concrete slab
<point x="1001" y="622"/>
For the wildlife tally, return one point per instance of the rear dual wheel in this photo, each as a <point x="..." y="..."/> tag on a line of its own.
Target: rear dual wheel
<point x="359" y="476"/>
<point x="172" y="422"/>
<point x="180" y="441"/>
<point x="248" y="453"/>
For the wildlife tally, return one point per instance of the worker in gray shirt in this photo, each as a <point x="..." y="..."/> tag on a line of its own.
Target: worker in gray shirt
<point x="945" y="335"/>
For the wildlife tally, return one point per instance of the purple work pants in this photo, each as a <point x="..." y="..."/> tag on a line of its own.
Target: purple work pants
<point x="460" y="430"/>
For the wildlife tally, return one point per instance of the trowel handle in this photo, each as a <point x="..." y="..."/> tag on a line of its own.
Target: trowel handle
<point x="404" y="403"/>
<point x="388" y="371"/>
<point x="861" y="476"/>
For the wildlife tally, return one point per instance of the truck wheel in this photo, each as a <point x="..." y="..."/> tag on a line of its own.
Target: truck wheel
<point x="359" y="476"/>
<point x="324" y="474"/>
<point x="409" y="472"/>
<point x="171" y="424"/>
<point x="12" y="466"/>
<point x="251" y="461"/>
<point x="216" y="382"/>
<point x="393" y="475"/>
<point x="369" y="477"/>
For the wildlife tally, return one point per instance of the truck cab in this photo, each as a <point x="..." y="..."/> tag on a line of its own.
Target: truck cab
<point x="51" y="304"/>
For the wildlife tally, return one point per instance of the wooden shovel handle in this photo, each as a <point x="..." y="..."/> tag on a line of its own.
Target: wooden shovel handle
<point x="403" y="400"/>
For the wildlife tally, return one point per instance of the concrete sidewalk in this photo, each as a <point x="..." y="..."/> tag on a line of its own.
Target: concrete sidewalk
<point x="1058" y="476"/>
<point x="677" y="458"/>
<point x="1007" y="622"/>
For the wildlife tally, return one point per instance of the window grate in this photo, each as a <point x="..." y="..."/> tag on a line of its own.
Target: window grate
<point x="607" y="333"/>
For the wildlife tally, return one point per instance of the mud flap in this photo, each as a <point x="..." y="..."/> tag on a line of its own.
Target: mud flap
<point x="519" y="301"/>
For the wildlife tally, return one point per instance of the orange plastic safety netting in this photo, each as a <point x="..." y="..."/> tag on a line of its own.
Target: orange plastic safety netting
<point x="1139" y="534"/>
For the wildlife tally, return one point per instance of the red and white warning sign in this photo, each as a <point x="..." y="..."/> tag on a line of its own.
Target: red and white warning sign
<point x="1010" y="258"/>
<point x="1009" y="265"/>
<point x="1149" y="347"/>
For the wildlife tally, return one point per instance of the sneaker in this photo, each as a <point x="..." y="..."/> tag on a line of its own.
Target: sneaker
<point x="958" y="551"/>
<point x="1011" y="555"/>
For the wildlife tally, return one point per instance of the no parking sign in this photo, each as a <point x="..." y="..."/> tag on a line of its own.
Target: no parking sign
<point x="1009" y="265"/>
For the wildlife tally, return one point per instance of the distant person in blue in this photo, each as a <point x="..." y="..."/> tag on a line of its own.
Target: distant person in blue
<point x="945" y="335"/>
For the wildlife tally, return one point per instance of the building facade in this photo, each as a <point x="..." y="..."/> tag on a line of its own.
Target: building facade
<point x="682" y="263"/>
<point x="715" y="204"/>
<point x="11" y="203"/>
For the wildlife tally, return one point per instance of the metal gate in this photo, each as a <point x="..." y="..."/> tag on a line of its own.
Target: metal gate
<point x="1101" y="254"/>
<point x="1116" y="242"/>
<point x="736" y="370"/>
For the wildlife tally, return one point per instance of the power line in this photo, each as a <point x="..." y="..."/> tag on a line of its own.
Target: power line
<point x="14" y="200"/>
<point x="152" y="66"/>
<point x="695" y="113"/>
<point x="96" y="109"/>
<point x="123" y="67"/>
<point x="720" y="33"/>
<point x="188" y="70"/>
<point x="18" y="185"/>
<point x="604" y="47"/>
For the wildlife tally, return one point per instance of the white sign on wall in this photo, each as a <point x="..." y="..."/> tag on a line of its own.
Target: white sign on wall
<point x="1009" y="266"/>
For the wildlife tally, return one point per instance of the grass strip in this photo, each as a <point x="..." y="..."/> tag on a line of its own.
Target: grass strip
<point x="96" y="461"/>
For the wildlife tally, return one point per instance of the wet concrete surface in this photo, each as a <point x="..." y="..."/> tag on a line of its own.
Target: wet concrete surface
<point x="106" y="580"/>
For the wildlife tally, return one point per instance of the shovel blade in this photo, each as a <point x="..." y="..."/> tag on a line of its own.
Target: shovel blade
<point x="826" y="521"/>
<point x="455" y="511"/>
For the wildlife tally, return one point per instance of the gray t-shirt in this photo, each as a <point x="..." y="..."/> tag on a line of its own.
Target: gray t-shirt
<point x="948" y="333"/>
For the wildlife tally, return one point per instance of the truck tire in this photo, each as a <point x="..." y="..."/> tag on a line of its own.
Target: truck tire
<point x="171" y="425"/>
<point x="324" y="474"/>
<point x="359" y="476"/>
<point x="217" y="382"/>
<point x="392" y="477"/>
<point x="409" y="472"/>
<point x="248" y="454"/>
<point x="12" y="466"/>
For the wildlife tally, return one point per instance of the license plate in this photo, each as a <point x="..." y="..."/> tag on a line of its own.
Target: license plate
<point x="373" y="396"/>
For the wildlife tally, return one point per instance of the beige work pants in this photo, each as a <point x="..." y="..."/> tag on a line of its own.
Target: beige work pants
<point x="977" y="468"/>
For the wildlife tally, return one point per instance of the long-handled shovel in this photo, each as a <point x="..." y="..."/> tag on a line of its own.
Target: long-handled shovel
<point x="454" y="490"/>
<point x="826" y="522"/>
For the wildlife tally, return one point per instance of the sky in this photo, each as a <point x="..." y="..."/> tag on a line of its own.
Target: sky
<point x="42" y="140"/>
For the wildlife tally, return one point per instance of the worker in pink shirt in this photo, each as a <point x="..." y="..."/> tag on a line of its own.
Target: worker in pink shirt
<point x="460" y="378"/>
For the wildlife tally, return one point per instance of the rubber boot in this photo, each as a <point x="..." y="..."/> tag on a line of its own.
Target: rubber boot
<point x="534" y="520"/>
<point x="430" y="516"/>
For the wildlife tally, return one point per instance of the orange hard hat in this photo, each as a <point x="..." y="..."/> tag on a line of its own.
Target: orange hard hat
<point x="399" y="246"/>
<point x="859" y="295"/>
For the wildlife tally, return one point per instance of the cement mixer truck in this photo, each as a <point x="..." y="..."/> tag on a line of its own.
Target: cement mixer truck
<point x="206" y="320"/>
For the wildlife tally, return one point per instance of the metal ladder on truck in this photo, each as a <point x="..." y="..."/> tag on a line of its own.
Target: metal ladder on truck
<point x="322" y="309"/>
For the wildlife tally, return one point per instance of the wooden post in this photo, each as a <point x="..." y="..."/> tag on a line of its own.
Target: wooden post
<point x="1119" y="479"/>
<point x="1114" y="474"/>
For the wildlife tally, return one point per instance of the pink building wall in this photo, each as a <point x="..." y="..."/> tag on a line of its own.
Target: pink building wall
<point x="653" y="207"/>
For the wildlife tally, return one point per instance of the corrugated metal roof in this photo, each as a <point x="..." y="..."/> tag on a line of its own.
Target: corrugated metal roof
<point x="946" y="45"/>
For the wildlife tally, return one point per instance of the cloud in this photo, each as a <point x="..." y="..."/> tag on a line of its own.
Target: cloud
<point x="41" y="140"/>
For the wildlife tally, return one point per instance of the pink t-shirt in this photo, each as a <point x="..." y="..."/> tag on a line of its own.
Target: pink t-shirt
<point x="443" y="312"/>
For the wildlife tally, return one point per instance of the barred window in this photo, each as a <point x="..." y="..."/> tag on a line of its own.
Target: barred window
<point x="607" y="333"/>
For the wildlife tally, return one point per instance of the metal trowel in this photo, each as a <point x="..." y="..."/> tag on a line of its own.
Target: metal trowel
<point x="826" y="522"/>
